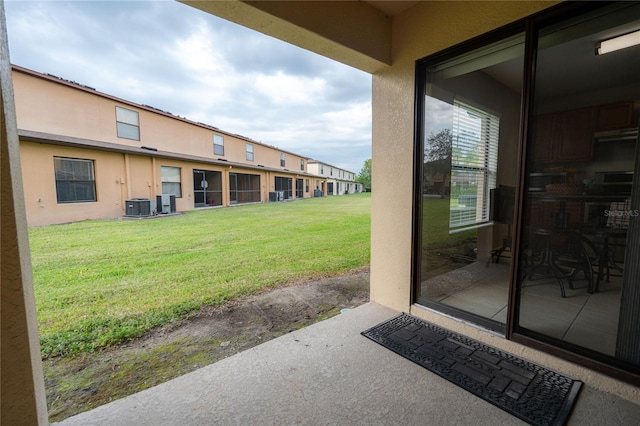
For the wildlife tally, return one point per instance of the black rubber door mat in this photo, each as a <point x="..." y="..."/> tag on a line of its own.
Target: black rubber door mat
<point x="526" y="390"/>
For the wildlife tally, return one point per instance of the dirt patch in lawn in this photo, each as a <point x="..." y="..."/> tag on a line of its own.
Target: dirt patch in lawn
<point x="79" y="383"/>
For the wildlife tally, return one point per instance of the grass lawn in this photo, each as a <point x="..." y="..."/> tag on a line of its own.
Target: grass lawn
<point x="438" y="245"/>
<point x="435" y="226"/>
<point x="102" y="282"/>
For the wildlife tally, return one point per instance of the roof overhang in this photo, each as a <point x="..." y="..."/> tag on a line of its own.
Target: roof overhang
<point x="69" y="141"/>
<point x="356" y="33"/>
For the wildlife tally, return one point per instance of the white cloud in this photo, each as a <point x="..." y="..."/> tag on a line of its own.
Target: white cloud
<point x="181" y="60"/>
<point x="282" y="89"/>
<point x="196" y="51"/>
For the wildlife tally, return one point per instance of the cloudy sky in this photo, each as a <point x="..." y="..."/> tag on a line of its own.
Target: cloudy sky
<point x="181" y="60"/>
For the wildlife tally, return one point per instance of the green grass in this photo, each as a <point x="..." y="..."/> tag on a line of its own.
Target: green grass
<point x="435" y="226"/>
<point x="102" y="282"/>
<point x="438" y="246"/>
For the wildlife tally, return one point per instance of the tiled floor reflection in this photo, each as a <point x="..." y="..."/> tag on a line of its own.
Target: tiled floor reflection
<point x="587" y="320"/>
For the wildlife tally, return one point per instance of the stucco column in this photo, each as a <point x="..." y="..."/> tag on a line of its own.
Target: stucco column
<point x="23" y="400"/>
<point x="391" y="183"/>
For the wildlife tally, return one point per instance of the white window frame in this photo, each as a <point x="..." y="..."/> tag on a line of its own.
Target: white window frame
<point x="249" y="152"/>
<point x="127" y="123"/>
<point x="474" y="165"/>
<point x="171" y="180"/>
<point x="218" y="145"/>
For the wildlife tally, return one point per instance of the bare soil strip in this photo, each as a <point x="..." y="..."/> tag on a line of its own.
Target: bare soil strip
<point x="76" y="384"/>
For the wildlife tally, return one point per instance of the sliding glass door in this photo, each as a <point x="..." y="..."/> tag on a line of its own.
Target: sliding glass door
<point x="578" y="278"/>
<point x="528" y="184"/>
<point x="469" y="173"/>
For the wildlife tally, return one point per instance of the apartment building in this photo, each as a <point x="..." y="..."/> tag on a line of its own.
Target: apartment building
<point x="527" y="84"/>
<point x="339" y="181"/>
<point x="89" y="155"/>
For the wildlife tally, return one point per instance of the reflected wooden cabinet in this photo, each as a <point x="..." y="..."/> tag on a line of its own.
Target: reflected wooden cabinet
<point x="564" y="136"/>
<point x="544" y="135"/>
<point x="615" y="116"/>
<point x="576" y="134"/>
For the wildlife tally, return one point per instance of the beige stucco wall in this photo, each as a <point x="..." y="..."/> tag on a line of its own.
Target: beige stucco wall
<point x="120" y="177"/>
<point x="22" y="392"/>
<point x="142" y="179"/>
<point x="424" y="29"/>
<point x="45" y="105"/>
<point x="40" y="186"/>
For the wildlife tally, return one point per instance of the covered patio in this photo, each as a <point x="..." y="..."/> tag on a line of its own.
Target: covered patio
<point x="327" y="373"/>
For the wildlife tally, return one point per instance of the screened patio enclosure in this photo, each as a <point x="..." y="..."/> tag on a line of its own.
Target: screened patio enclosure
<point x="207" y="188"/>
<point x="244" y="188"/>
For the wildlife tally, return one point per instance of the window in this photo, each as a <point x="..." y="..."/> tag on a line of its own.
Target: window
<point x="127" y="123"/>
<point x="281" y="160"/>
<point x="249" y="148"/>
<point x="331" y="171"/>
<point x="171" y="181"/>
<point x="321" y="169"/>
<point x="302" y="164"/>
<point x="306" y="184"/>
<point x="474" y="163"/>
<point x="75" y="180"/>
<point x="218" y="145"/>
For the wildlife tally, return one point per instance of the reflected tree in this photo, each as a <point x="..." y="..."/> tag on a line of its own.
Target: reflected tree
<point x="437" y="162"/>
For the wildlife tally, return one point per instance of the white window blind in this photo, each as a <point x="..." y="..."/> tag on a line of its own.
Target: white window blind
<point x="171" y="181"/>
<point x="218" y="145"/>
<point x="474" y="162"/>
<point x="127" y="123"/>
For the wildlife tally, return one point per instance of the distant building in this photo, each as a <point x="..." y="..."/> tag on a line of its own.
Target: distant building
<point x="89" y="155"/>
<point x="339" y="181"/>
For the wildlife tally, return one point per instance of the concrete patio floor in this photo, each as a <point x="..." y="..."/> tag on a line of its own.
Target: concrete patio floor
<point x="327" y="374"/>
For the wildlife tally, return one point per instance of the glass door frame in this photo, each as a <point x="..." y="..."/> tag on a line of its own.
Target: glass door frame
<point x="419" y="132"/>
<point x="530" y="26"/>
<point x="205" y="176"/>
<point x="233" y="188"/>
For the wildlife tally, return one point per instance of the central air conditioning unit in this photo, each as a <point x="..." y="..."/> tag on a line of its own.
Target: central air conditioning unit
<point x="138" y="207"/>
<point x="166" y="203"/>
<point x="276" y="196"/>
